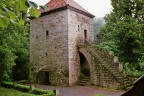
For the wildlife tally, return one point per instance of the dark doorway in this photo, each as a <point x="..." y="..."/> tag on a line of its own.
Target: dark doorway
<point x="46" y="78"/>
<point x="84" y="66"/>
<point x="85" y="35"/>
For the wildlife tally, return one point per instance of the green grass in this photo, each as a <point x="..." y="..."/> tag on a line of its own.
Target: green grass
<point x="12" y="92"/>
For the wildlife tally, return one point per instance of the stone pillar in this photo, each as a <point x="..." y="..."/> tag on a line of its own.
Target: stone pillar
<point x="120" y="67"/>
<point x="115" y="59"/>
<point x="56" y="92"/>
<point x="32" y="88"/>
<point x="14" y="84"/>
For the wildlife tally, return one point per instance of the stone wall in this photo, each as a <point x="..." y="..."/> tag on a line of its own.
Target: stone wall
<point x="80" y="29"/>
<point x="53" y="46"/>
<point x="49" y="47"/>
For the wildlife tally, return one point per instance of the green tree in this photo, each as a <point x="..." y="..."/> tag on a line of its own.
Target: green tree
<point x="14" y="52"/>
<point x="21" y="67"/>
<point x="124" y="26"/>
<point x="14" y="36"/>
<point x="17" y="11"/>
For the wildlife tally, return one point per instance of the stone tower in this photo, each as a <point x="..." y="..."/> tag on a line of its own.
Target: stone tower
<point x="54" y="37"/>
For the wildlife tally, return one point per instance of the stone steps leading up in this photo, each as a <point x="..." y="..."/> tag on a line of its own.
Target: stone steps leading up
<point x="107" y="64"/>
<point x="85" y="80"/>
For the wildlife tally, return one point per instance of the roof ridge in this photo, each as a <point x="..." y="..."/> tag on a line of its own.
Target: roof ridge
<point x="80" y="6"/>
<point x="57" y="4"/>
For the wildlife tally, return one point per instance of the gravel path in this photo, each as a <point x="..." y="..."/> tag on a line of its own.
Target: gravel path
<point x="81" y="90"/>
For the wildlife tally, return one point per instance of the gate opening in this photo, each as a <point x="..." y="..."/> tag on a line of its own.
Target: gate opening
<point x="84" y="66"/>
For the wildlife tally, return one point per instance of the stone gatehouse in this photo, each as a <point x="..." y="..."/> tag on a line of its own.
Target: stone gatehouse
<point x="54" y="36"/>
<point x="62" y="51"/>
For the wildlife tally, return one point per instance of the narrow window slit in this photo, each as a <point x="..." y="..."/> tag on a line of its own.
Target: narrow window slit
<point x="78" y="28"/>
<point x="47" y="33"/>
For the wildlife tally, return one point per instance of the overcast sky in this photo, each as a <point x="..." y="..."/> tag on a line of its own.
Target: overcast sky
<point x="97" y="7"/>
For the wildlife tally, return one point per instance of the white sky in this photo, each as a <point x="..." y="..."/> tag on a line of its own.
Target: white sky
<point x="97" y="7"/>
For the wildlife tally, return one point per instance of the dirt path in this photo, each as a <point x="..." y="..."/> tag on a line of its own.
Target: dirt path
<point x="80" y="90"/>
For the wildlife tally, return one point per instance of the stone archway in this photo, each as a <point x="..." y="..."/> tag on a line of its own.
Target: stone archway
<point x="43" y="77"/>
<point x="84" y="66"/>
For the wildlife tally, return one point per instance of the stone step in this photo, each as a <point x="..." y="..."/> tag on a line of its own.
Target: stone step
<point x="84" y="81"/>
<point x="109" y="66"/>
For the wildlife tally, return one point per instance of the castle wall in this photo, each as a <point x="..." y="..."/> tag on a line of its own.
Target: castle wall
<point x="80" y="29"/>
<point x="49" y="47"/>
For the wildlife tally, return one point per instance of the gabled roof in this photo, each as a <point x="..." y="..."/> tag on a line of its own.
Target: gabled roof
<point x="57" y="5"/>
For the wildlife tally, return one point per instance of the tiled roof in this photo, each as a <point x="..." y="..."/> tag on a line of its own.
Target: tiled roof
<point x="56" y="4"/>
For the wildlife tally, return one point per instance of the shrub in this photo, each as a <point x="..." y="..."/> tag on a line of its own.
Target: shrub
<point x="7" y="84"/>
<point x="49" y="94"/>
<point x="43" y="92"/>
<point x="132" y="70"/>
<point x="22" y="88"/>
<point x="99" y="95"/>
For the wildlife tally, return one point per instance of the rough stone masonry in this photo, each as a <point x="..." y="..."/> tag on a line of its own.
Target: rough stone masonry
<point x="54" y="36"/>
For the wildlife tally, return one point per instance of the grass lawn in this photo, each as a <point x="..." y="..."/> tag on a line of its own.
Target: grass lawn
<point x="12" y="92"/>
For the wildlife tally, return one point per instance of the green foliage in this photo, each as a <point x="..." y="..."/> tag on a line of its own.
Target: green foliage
<point x="7" y="84"/>
<point x="108" y="46"/>
<point x="22" y="88"/>
<point x="13" y="51"/>
<point x="12" y="92"/>
<point x="124" y="27"/>
<point x="4" y="22"/>
<point x="41" y="92"/>
<point x="34" y="12"/>
<point x="134" y="70"/>
<point x="21" y="69"/>
<point x="15" y="11"/>
<point x="6" y="62"/>
<point x="14" y="38"/>
<point x="25" y="88"/>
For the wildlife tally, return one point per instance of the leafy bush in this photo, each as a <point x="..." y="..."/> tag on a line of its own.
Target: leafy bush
<point x="134" y="70"/>
<point x="6" y="62"/>
<point x="7" y="84"/>
<point x="49" y="94"/>
<point x="43" y="92"/>
<point x="23" y="82"/>
<point x="22" y="88"/>
<point x="25" y="88"/>
<point x="13" y="92"/>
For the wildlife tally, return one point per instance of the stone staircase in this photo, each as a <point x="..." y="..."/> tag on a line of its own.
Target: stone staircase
<point x="109" y="67"/>
<point x="84" y="81"/>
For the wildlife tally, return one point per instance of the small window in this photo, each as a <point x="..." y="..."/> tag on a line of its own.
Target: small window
<point x="46" y="54"/>
<point x="78" y="28"/>
<point x="85" y="35"/>
<point x="47" y="33"/>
